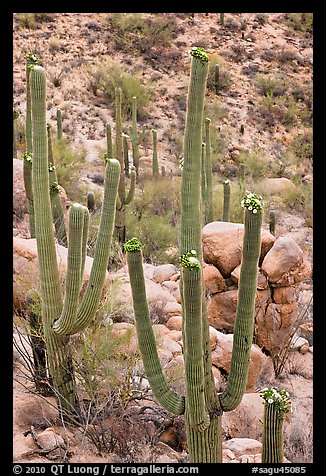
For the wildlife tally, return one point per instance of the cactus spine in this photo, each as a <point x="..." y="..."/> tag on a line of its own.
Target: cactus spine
<point x="155" y="168"/>
<point x="226" y="200"/>
<point x="62" y="319"/>
<point x="201" y="406"/>
<point x="57" y="210"/>
<point x="209" y="211"/>
<point x="59" y="124"/>
<point x="120" y="222"/>
<point x="276" y="405"/>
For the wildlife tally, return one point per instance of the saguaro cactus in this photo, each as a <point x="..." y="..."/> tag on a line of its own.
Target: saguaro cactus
<point x="155" y="168"/>
<point x="217" y="78"/>
<point x="276" y="404"/>
<point x="109" y="146"/>
<point x="90" y="201"/>
<point x="14" y="132"/>
<point x="134" y="135"/>
<point x="57" y="210"/>
<point x="202" y="407"/>
<point x="31" y="60"/>
<point x="272" y="222"/>
<point x="123" y="199"/>
<point x="226" y="200"/>
<point x="59" y="124"/>
<point x="125" y="138"/>
<point x="209" y="211"/>
<point x="61" y="319"/>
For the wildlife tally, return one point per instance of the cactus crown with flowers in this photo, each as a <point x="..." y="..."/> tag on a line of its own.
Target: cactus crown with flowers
<point x="279" y="398"/>
<point x="132" y="245"/>
<point x="199" y="52"/>
<point x="252" y="202"/>
<point x="190" y="260"/>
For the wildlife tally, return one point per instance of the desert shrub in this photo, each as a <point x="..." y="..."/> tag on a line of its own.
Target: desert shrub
<point x="69" y="162"/>
<point x="298" y="442"/>
<point x="302" y="146"/>
<point x="300" y="22"/>
<point x="257" y="165"/>
<point x="225" y="80"/>
<point x="152" y="217"/>
<point x="269" y="85"/>
<point x="215" y="110"/>
<point x="106" y="76"/>
<point x="142" y="34"/>
<point x="260" y="18"/>
<point x="32" y="20"/>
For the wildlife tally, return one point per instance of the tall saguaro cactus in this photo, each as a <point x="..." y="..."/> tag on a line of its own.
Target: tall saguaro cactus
<point x="134" y="135"/>
<point x="276" y="404"/>
<point x="123" y="199"/>
<point x="59" y="124"/>
<point x="155" y="169"/>
<point x="57" y="210"/>
<point x="209" y="211"/>
<point x="201" y="406"/>
<point x="62" y="318"/>
<point x="226" y="200"/>
<point x="31" y="60"/>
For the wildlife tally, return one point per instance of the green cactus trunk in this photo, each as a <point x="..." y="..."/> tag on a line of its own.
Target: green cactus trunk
<point x="90" y="201"/>
<point x="109" y="145"/>
<point x="27" y="165"/>
<point x="60" y="319"/>
<point x="209" y="210"/>
<point x="272" y="435"/>
<point x="222" y="19"/>
<point x="126" y="155"/>
<point x="134" y="136"/>
<point x="120" y="222"/>
<point x="226" y="200"/>
<point x="57" y="210"/>
<point x="217" y="78"/>
<point x="272" y="222"/>
<point x="14" y="132"/>
<point x="202" y="407"/>
<point x="59" y="124"/>
<point x="155" y="168"/>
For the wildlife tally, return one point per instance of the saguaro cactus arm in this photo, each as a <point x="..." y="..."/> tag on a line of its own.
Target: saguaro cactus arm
<point x="226" y="200"/>
<point x="276" y="404"/>
<point x="244" y="321"/>
<point x="132" y="186"/>
<point x="209" y="211"/>
<point x="155" y="168"/>
<point x="166" y="396"/>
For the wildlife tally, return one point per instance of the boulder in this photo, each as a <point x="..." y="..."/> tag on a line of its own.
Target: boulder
<point x="164" y="272"/>
<point x="213" y="280"/>
<point x="247" y="415"/>
<point x="278" y="185"/>
<point x="222" y="308"/>
<point x="222" y="245"/>
<point x="283" y="260"/>
<point x="221" y="358"/>
<point x="284" y="295"/>
<point x="25" y="267"/>
<point x="243" y="446"/>
<point x="262" y="282"/>
<point x="174" y="323"/>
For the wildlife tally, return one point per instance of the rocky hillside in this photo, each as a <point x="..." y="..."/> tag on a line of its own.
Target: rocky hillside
<point x="259" y="100"/>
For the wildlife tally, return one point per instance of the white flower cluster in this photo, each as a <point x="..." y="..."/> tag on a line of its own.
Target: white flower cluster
<point x="279" y="398"/>
<point x="252" y="202"/>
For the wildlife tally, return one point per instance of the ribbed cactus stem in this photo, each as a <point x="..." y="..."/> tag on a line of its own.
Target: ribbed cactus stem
<point x="109" y="145"/>
<point x="132" y="185"/>
<point x="59" y="124"/>
<point x="155" y="168"/>
<point x="14" y="132"/>
<point x="217" y="78"/>
<point x="147" y="345"/>
<point x="31" y="61"/>
<point x="126" y="154"/>
<point x="120" y="224"/>
<point x="203" y="179"/>
<point x="58" y="350"/>
<point x="134" y="136"/>
<point x="272" y="222"/>
<point x="209" y="211"/>
<point x="226" y="200"/>
<point x="276" y="405"/>
<point x="90" y="201"/>
<point x="242" y="184"/>
<point x="244" y="320"/>
<point x="57" y="210"/>
<point x="222" y="19"/>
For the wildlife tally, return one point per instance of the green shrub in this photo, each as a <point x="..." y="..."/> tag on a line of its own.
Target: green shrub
<point x="257" y="165"/>
<point x="302" y="146"/>
<point x="142" y="34"/>
<point x="107" y="75"/>
<point x="300" y="22"/>
<point x="269" y="85"/>
<point x="225" y="80"/>
<point x="69" y="162"/>
<point x="32" y="20"/>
